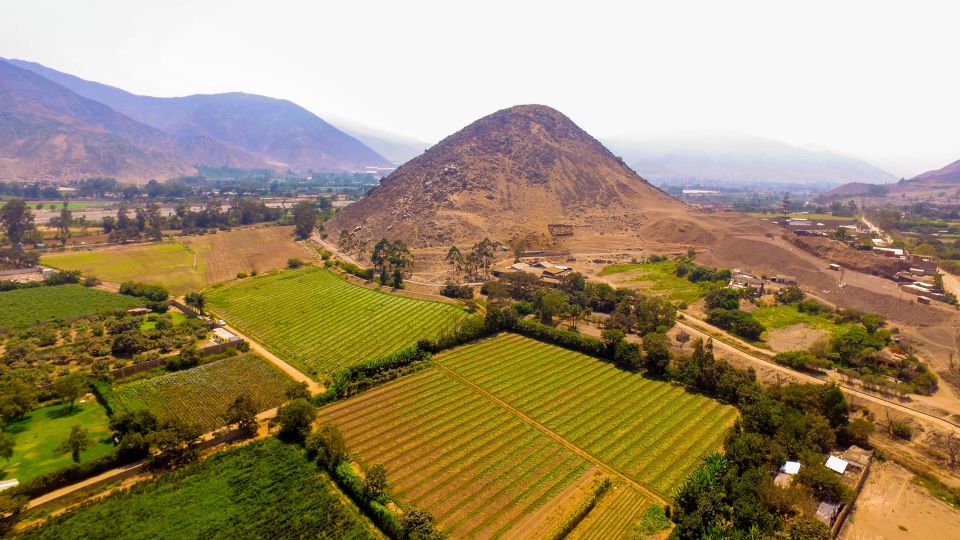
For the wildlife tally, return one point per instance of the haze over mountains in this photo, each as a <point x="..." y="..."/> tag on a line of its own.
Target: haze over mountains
<point x="61" y="126"/>
<point x="738" y="158"/>
<point x="511" y="174"/>
<point x="931" y="185"/>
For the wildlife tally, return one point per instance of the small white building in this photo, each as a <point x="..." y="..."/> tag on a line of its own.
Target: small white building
<point x="7" y="484"/>
<point x="222" y="335"/>
<point x="836" y="464"/>
<point x="790" y="467"/>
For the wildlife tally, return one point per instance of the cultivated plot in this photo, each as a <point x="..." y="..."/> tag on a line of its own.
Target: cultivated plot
<point x="38" y="304"/>
<point x="477" y="467"/>
<point x="653" y="432"/>
<point x="202" y="394"/>
<point x="320" y="322"/>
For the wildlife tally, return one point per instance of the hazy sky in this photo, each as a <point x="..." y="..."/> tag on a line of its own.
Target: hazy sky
<point x="875" y="79"/>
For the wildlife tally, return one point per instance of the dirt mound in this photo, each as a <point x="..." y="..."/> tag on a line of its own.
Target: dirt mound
<point x="507" y="174"/>
<point x="837" y="252"/>
<point x="679" y="231"/>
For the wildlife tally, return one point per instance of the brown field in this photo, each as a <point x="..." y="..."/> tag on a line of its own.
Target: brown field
<point x="892" y="506"/>
<point x="188" y="263"/>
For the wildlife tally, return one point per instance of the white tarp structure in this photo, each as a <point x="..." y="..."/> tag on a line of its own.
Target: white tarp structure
<point x="791" y="467"/>
<point x="836" y="464"/>
<point x="6" y="484"/>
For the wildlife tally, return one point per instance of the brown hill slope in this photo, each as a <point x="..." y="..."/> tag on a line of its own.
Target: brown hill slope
<point x="511" y="173"/>
<point x="48" y="131"/>
<point x="931" y="185"/>
<point x="947" y="174"/>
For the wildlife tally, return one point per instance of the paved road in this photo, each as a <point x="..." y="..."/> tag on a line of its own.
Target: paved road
<point x="763" y="361"/>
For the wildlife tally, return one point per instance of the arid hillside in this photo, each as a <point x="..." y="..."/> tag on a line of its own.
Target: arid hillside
<point x="48" y="131"/>
<point x="931" y="185"/>
<point x="511" y="174"/>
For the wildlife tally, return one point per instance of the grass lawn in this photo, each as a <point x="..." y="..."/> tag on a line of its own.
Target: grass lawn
<point x="660" y="278"/>
<point x="783" y="316"/>
<point x="74" y="205"/>
<point x="176" y="317"/>
<point x="39" y="432"/>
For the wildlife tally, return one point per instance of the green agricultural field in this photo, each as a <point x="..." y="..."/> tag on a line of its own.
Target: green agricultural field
<point x="202" y="394"/>
<point x="176" y="318"/>
<point x="265" y="489"/>
<point x="30" y="306"/>
<point x="320" y="322"/>
<point x="653" y="432"/>
<point x="73" y="205"/>
<point x="37" y="434"/>
<point x="660" y="278"/>
<point x="477" y="467"/>
<point x="783" y="316"/>
<point x="167" y="263"/>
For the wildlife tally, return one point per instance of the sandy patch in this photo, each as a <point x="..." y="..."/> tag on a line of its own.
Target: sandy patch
<point x="798" y="337"/>
<point x="892" y="506"/>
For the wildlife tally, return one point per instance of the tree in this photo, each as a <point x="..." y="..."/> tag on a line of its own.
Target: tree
<point x="76" y="442"/>
<point x="785" y="204"/>
<point x="327" y="446"/>
<point x="297" y="390"/>
<point x="808" y="528"/>
<point x="175" y="442"/>
<point x="548" y="302"/>
<point x="70" y="387"/>
<point x="455" y="258"/>
<point x="196" y="300"/>
<point x="16" y="220"/>
<point x="243" y="414"/>
<point x="295" y="419"/>
<point x="656" y="347"/>
<point x="7" y="444"/>
<point x="62" y="223"/>
<point x="627" y="355"/>
<point x="419" y="525"/>
<point x="949" y="443"/>
<point x="131" y="429"/>
<point x="305" y="216"/>
<point x="611" y="338"/>
<point x="17" y="398"/>
<point x="682" y="338"/>
<point x="834" y="405"/>
<point x="375" y="483"/>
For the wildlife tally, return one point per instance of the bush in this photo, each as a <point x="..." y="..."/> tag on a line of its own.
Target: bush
<point x="155" y="293"/>
<point x="241" y="275"/>
<point x="63" y="277"/>
<point x="800" y="360"/>
<point x="295" y="419"/>
<point x="901" y="430"/>
<point x="294" y="263"/>
<point x="451" y="290"/>
<point x="563" y="338"/>
<point x="790" y="295"/>
<point x="91" y="281"/>
<point x="737" y="322"/>
<point x="350" y="268"/>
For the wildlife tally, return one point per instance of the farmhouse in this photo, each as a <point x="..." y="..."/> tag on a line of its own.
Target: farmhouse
<point x="222" y="335"/>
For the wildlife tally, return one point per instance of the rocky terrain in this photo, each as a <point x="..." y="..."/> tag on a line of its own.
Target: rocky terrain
<point x="511" y="174"/>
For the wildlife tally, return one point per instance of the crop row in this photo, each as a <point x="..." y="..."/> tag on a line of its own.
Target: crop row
<point x="321" y="322"/>
<point x="475" y="466"/>
<point x="653" y="432"/>
<point x="202" y="394"/>
<point x="38" y="304"/>
<point x="614" y="517"/>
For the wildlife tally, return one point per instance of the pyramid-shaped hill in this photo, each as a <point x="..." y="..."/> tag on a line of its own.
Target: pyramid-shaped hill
<point x="511" y="174"/>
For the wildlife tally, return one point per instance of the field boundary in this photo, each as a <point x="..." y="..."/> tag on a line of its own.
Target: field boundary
<point x="553" y="435"/>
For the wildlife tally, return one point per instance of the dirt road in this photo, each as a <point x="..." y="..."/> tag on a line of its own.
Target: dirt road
<point x="294" y="373"/>
<point x="764" y="361"/>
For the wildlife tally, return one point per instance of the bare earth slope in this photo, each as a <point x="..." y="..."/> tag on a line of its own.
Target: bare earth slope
<point x="507" y="174"/>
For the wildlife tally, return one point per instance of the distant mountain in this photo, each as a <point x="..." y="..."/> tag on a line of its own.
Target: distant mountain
<point x="940" y="185"/>
<point x="739" y="158"/>
<point x="278" y="132"/>
<point x="947" y="174"/>
<point x="47" y="131"/>
<point x="397" y="148"/>
<point x="511" y="174"/>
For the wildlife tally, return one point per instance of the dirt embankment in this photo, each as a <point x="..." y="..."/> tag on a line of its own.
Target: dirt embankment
<point x="846" y="256"/>
<point x="770" y="257"/>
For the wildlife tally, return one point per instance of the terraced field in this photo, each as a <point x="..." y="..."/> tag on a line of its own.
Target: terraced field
<point x="320" y="322"/>
<point x="477" y="467"/>
<point x="202" y="394"/>
<point x="652" y="432"/>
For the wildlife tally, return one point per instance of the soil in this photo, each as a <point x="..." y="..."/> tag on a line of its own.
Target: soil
<point x="892" y="506"/>
<point x="547" y="518"/>
<point x="798" y="337"/>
